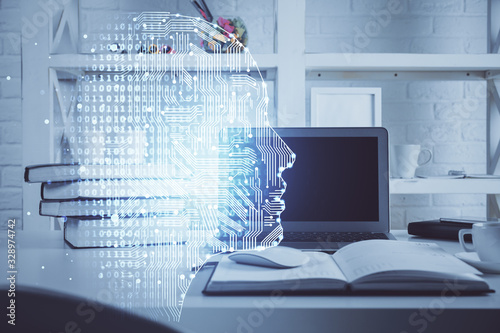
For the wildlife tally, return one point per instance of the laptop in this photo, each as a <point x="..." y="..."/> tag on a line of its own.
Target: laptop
<point x="338" y="188"/>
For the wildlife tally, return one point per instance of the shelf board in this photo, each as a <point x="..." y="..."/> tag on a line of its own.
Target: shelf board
<point x="488" y="65"/>
<point x="434" y="186"/>
<point x="108" y="61"/>
<point x="401" y="62"/>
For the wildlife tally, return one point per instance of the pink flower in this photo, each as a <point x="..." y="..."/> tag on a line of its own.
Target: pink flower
<point x="222" y="22"/>
<point x="225" y="24"/>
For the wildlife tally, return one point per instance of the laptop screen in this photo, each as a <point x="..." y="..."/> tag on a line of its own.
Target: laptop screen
<point x="334" y="178"/>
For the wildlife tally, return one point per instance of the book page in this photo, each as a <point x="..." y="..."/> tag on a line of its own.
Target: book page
<point x="319" y="266"/>
<point x="483" y="176"/>
<point x="442" y="177"/>
<point x="375" y="256"/>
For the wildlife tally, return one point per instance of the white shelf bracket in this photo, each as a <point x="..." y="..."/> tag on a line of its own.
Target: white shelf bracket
<point x="65" y="112"/>
<point x="493" y="106"/>
<point x="68" y="18"/>
<point x="291" y="63"/>
<point x="496" y="45"/>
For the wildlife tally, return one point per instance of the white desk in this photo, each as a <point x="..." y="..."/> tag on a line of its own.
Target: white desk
<point x="264" y="313"/>
<point x="343" y="313"/>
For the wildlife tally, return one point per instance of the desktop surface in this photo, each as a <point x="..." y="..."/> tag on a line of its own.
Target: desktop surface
<point x="68" y="270"/>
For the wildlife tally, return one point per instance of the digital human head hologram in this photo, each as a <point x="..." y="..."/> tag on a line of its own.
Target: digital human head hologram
<point x="207" y="125"/>
<point x="198" y="118"/>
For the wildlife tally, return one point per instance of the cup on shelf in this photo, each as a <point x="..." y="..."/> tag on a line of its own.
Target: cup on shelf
<point x="485" y="241"/>
<point x="404" y="160"/>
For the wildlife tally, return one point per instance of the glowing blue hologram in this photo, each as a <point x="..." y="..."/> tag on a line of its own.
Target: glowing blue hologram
<point x="197" y="119"/>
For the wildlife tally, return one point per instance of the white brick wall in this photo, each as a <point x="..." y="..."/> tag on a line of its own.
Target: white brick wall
<point x="11" y="170"/>
<point x="416" y="26"/>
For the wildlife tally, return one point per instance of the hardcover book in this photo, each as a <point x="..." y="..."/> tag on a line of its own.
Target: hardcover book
<point x="109" y="207"/>
<point x="373" y="266"/>
<point x="69" y="172"/>
<point x="105" y="232"/>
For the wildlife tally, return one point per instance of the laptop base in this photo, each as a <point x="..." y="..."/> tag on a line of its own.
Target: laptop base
<point x="329" y="242"/>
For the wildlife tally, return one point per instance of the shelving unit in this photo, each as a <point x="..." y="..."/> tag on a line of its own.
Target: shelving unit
<point x="290" y="66"/>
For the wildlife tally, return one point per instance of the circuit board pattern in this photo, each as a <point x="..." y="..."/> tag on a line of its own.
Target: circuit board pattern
<point x="199" y="117"/>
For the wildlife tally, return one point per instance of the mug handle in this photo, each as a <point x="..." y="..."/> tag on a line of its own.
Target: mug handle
<point x="430" y="156"/>
<point x="466" y="247"/>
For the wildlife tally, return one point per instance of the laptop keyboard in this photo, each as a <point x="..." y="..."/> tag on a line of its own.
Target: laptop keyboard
<point x="331" y="236"/>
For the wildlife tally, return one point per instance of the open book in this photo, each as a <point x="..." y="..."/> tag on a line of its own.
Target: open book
<point x="471" y="176"/>
<point x="380" y="266"/>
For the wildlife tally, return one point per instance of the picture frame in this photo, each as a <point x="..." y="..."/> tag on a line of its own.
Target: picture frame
<point x="346" y="107"/>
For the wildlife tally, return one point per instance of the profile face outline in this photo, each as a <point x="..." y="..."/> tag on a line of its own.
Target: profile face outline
<point x="209" y="105"/>
<point x="201" y="117"/>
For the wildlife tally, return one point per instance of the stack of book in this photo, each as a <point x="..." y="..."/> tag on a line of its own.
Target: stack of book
<point x="113" y="205"/>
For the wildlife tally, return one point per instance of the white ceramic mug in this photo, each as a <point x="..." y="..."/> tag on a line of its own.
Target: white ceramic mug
<point x="404" y="160"/>
<point x="485" y="240"/>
